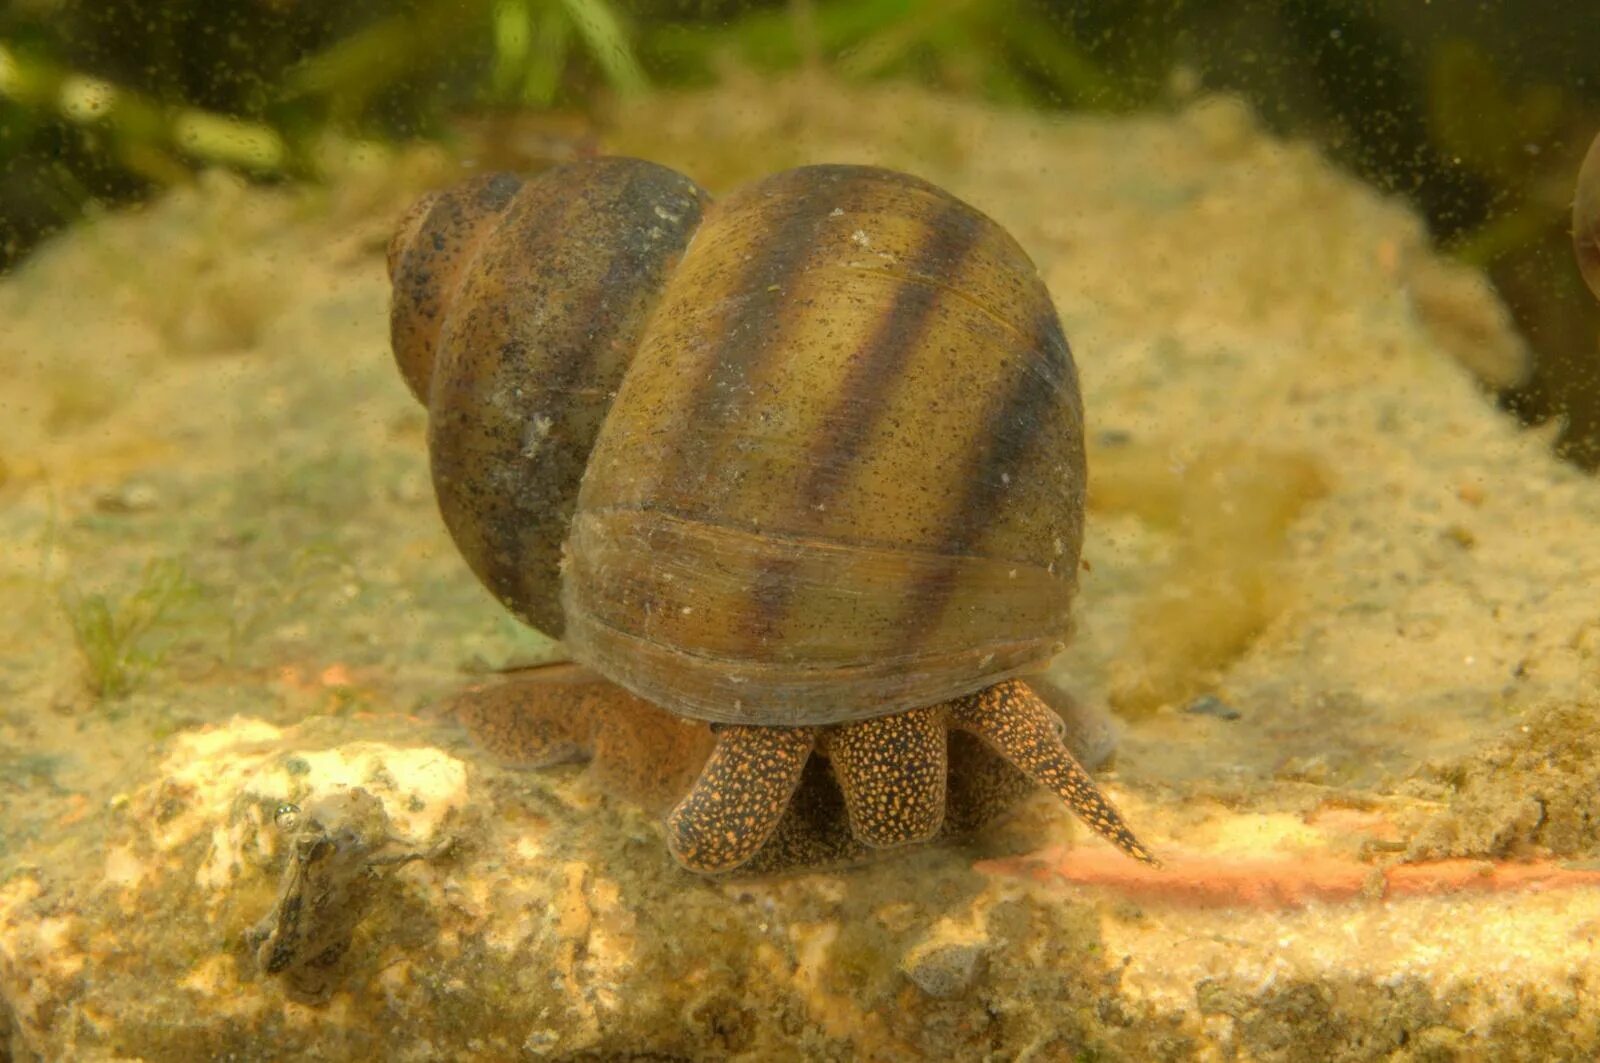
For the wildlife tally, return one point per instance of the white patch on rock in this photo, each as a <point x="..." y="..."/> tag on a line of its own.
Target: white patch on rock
<point x="534" y="435"/>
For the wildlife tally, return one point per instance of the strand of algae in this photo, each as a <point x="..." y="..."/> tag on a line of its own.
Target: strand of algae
<point x="111" y="633"/>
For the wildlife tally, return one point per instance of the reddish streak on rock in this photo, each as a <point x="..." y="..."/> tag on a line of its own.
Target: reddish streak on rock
<point x="1456" y="876"/>
<point x="77" y="809"/>
<point x="310" y="678"/>
<point x="1290" y="882"/>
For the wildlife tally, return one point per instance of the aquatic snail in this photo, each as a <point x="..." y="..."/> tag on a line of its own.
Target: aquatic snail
<point x="805" y="462"/>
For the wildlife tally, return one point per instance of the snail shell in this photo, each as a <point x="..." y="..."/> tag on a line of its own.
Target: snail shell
<point x="809" y="454"/>
<point x="1586" y="218"/>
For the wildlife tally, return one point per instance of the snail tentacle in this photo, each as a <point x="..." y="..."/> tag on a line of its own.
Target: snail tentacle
<point x="892" y="773"/>
<point x="1011" y="718"/>
<point x="741" y="794"/>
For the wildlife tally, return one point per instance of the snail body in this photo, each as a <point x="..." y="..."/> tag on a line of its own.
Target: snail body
<point x="806" y="462"/>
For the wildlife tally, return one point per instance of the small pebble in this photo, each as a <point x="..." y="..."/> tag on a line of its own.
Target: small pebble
<point x="134" y="497"/>
<point x="1210" y="705"/>
<point x="541" y="1042"/>
<point x="945" y="970"/>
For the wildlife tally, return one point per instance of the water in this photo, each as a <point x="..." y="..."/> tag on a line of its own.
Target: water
<point x="1335" y="612"/>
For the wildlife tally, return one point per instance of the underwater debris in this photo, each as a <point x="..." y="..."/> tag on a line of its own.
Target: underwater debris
<point x="1211" y="705"/>
<point x="949" y="961"/>
<point x="340" y="847"/>
<point x="1458" y="307"/>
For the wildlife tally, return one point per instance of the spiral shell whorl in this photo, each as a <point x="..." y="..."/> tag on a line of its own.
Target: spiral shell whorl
<point x="517" y="310"/>
<point x="436" y="240"/>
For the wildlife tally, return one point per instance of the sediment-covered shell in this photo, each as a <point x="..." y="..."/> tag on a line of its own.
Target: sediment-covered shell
<point x="842" y="473"/>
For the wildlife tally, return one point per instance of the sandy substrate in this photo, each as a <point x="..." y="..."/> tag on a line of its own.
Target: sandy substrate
<point x="1344" y="607"/>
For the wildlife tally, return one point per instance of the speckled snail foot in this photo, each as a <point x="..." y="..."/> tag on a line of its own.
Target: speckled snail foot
<point x="805" y="463"/>
<point x="550" y="714"/>
<point x="891" y="771"/>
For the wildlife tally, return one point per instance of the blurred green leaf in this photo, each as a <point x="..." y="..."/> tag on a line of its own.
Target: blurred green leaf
<point x="552" y="35"/>
<point x="597" y="24"/>
<point x="350" y="71"/>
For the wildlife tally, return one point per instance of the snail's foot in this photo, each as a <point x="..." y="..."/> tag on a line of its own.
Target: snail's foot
<point x="740" y="797"/>
<point x="536" y="717"/>
<point x="553" y="714"/>
<point x="1011" y="718"/>
<point x="892" y="771"/>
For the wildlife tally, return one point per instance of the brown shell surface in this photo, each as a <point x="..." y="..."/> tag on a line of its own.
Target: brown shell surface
<point x="844" y="475"/>
<point x="535" y="315"/>
<point x="439" y="237"/>
<point x="1586" y="218"/>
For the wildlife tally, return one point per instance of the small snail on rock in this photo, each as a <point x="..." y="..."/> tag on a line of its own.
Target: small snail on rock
<point x="805" y="462"/>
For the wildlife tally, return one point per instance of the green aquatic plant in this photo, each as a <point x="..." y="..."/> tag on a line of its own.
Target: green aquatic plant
<point x="1486" y="125"/>
<point x="285" y="589"/>
<point x="530" y="46"/>
<point x="1015" y="51"/>
<point x="146" y="135"/>
<point x="95" y="104"/>
<point x="113" y="633"/>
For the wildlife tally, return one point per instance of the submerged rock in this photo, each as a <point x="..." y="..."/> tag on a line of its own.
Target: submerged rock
<point x="1417" y="594"/>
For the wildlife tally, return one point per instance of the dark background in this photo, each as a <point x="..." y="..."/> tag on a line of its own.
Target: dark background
<point x="1477" y="112"/>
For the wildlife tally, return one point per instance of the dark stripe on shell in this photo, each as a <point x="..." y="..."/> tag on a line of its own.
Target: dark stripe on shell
<point x="590" y="326"/>
<point x="874" y="372"/>
<point x="500" y="514"/>
<point x="631" y="261"/>
<point x="756" y="328"/>
<point x="996" y="464"/>
<point x="862" y="397"/>
<point x="428" y="255"/>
